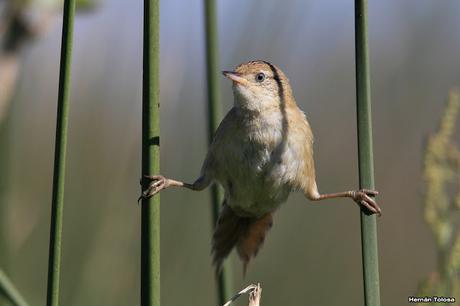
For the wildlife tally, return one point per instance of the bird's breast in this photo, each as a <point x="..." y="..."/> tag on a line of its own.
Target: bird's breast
<point x="257" y="168"/>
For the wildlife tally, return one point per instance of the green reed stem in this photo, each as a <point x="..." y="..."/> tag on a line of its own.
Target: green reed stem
<point x="54" y="263"/>
<point x="10" y="292"/>
<point x="5" y="150"/>
<point x="150" y="227"/>
<point x="212" y="72"/>
<point x="365" y="151"/>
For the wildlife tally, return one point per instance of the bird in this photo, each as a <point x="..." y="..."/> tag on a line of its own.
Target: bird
<point x="260" y="153"/>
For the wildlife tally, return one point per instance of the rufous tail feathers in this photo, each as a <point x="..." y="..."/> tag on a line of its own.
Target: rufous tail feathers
<point x="246" y="233"/>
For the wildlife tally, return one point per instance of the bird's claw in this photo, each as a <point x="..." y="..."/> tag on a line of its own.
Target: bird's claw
<point x="154" y="183"/>
<point x="363" y="198"/>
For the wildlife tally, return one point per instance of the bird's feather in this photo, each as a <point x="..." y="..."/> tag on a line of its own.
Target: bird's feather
<point x="246" y="233"/>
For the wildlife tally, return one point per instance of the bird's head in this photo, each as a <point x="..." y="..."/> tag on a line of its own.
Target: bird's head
<point x="258" y="85"/>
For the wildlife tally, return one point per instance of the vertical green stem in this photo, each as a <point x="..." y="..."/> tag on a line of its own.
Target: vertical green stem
<point x="150" y="227"/>
<point x="212" y="71"/>
<point x="60" y="155"/>
<point x="4" y="182"/>
<point x="366" y="164"/>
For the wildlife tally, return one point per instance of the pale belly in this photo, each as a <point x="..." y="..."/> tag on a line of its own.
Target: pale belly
<point x="256" y="180"/>
<point x="257" y="162"/>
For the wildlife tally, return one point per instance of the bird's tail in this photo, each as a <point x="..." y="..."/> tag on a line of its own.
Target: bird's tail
<point x="247" y="234"/>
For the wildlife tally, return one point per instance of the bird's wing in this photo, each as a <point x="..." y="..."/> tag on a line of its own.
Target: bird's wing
<point x="306" y="177"/>
<point x="222" y="136"/>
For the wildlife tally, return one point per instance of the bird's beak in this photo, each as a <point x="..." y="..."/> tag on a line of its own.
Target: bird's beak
<point x="235" y="77"/>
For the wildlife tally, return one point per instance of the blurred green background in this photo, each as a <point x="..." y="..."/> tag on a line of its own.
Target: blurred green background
<point x="313" y="253"/>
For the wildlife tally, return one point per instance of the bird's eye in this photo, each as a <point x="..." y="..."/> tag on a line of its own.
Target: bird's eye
<point x="260" y="77"/>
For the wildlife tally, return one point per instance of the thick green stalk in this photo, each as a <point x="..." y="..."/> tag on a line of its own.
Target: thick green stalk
<point x="4" y="184"/>
<point x="212" y="71"/>
<point x="366" y="164"/>
<point x="10" y="292"/>
<point x="150" y="227"/>
<point x="54" y="263"/>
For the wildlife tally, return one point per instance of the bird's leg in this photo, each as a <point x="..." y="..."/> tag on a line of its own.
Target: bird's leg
<point x="153" y="184"/>
<point x="361" y="197"/>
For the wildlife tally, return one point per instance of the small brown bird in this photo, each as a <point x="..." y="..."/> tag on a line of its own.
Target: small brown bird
<point x="262" y="150"/>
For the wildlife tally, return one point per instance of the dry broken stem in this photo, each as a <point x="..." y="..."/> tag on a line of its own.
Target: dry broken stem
<point x="255" y="292"/>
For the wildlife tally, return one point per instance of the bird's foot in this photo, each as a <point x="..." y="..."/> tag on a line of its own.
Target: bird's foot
<point x="154" y="183"/>
<point x="363" y="198"/>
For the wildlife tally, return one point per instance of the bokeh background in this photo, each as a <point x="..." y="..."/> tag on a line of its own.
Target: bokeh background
<point x="313" y="253"/>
